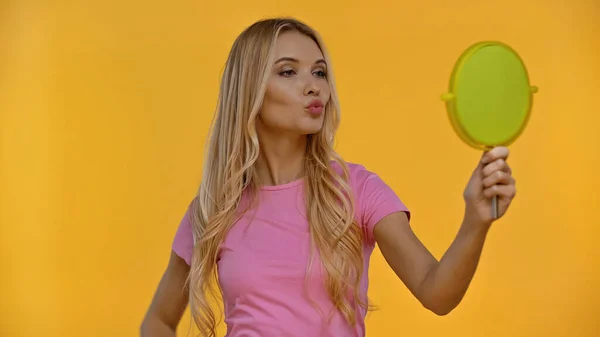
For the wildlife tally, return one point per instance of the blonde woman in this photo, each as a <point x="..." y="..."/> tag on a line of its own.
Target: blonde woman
<point x="282" y="228"/>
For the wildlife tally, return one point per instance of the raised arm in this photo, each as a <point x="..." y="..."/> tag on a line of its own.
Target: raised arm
<point x="441" y="285"/>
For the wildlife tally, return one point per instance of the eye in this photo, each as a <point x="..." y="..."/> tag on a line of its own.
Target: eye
<point x="287" y="73"/>
<point x="321" y="73"/>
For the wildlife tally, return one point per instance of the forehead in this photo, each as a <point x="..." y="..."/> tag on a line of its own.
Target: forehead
<point x="297" y="45"/>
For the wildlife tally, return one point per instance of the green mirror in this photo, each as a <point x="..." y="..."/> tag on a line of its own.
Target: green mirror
<point x="489" y="98"/>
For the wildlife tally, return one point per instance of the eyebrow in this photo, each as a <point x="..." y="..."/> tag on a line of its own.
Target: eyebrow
<point x="291" y="59"/>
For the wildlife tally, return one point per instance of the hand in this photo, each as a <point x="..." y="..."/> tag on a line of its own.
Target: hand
<point x="492" y="177"/>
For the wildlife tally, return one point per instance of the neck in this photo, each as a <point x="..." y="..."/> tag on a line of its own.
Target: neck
<point x="281" y="158"/>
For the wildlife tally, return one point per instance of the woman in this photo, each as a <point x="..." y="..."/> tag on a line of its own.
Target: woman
<point x="285" y="224"/>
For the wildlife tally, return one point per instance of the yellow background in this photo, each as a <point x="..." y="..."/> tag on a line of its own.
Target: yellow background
<point x="105" y="107"/>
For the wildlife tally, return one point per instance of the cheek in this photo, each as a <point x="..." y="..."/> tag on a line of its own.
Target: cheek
<point x="279" y="93"/>
<point x="325" y="91"/>
<point x="278" y="104"/>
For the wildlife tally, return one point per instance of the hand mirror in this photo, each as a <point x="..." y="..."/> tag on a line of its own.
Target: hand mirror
<point x="489" y="98"/>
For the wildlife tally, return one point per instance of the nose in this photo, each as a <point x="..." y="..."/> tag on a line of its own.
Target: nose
<point x="311" y="88"/>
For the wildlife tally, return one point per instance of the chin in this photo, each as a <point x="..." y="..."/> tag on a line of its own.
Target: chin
<point x="315" y="127"/>
<point x="311" y="132"/>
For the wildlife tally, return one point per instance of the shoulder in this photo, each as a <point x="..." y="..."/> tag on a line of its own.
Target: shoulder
<point x="356" y="171"/>
<point x="358" y="176"/>
<point x="183" y="242"/>
<point x="374" y="198"/>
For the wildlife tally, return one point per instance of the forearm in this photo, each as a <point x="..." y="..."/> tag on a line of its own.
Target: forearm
<point x="447" y="281"/>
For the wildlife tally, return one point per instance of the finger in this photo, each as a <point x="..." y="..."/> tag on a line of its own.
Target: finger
<point x="499" y="152"/>
<point x="502" y="191"/>
<point x="498" y="178"/>
<point x="497" y="165"/>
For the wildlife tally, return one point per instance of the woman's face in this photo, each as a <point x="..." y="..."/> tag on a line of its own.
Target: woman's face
<point x="297" y="90"/>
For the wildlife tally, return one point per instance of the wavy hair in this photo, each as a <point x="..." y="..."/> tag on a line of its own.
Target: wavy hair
<point x="229" y="171"/>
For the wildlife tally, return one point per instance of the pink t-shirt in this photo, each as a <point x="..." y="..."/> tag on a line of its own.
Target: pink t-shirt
<point x="263" y="259"/>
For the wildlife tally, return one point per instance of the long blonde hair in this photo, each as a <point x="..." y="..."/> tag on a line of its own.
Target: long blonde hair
<point x="229" y="171"/>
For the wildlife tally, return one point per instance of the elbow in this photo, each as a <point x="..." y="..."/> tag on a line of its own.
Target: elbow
<point x="148" y="326"/>
<point x="440" y="308"/>
<point x="142" y="325"/>
<point x="143" y="328"/>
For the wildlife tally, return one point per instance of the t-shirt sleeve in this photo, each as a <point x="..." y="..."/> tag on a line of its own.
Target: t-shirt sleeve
<point x="376" y="200"/>
<point x="183" y="243"/>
